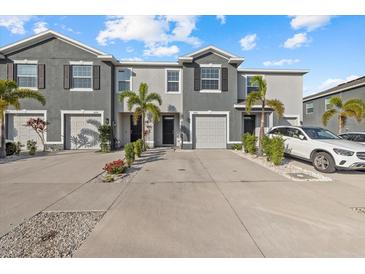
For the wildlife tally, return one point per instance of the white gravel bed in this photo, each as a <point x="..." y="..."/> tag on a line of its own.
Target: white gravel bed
<point x="285" y="168"/>
<point x="49" y="235"/>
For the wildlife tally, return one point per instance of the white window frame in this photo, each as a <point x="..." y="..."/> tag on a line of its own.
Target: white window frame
<point x="27" y="62"/>
<point x="306" y="108"/>
<point x="219" y="90"/>
<point x="166" y="80"/>
<point x="326" y="103"/>
<point x="246" y="80"/>
<point x="82" y="63"/>
<point x="130" y="78"/>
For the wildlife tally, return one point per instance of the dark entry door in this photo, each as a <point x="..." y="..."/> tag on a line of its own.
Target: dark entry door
<point x="249" y="123"/>
<point x="136" y="130"/>
<point x="168" y="130"/>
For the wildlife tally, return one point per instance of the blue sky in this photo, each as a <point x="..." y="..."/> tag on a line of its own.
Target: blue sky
<point x="331" y="47"/>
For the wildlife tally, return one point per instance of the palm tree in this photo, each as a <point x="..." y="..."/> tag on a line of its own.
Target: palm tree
<point x="260" y="96"/>
<point x="352" y="108"/>
<point x="143" y="103"/>
<point x="9" y="96"/>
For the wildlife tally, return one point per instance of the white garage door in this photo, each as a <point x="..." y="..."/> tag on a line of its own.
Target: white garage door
<point x="18" y="132"/>
<point x="81" y="131"/>
<point x="210" y="131"/>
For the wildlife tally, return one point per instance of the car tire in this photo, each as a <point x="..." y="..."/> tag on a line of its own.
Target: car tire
<point x="323" y="162"/>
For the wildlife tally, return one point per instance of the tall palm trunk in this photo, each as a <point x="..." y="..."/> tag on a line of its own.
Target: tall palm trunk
<point x="262" y="124"/>
<point x="2" y="149"/>
<point x="339" y="124"/>
<point x="142" y="117"/>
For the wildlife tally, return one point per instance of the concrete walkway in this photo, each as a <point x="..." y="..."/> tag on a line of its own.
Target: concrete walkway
<point x="212" y="203"/>
<point x="53" y="182"/>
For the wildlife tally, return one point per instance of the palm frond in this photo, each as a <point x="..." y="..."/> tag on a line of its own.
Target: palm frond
<point x="261" y="83"/>
<point x="137" y="114"/>
<point x="277" y="106"/>
<point x="343" y="119"/>
<point x="251" y="99"/>
<point x="126" y="94"/>
<point x="24" y="93"/>
<point x="356" y="109"/>
<point x="154" y="97"/>
<point x="143" y="89"/>
<point x="328" y="115"/>
<point x="154" y="110"/>
<point x="336" y="101"/>
<point x="134" y="101"/>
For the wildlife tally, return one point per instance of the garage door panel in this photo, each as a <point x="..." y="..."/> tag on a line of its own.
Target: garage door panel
<point x="210" y="131"/>
<point x="81" y="131"/>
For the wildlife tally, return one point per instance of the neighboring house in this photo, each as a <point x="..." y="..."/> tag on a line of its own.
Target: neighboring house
<point x="315" y="105"/>
<point x="203" y="94"/>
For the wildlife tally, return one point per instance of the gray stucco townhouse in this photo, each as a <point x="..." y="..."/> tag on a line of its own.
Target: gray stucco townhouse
<point x="203" y="94"/>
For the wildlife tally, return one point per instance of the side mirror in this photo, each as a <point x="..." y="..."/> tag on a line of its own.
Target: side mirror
<point x="302" y="137"/>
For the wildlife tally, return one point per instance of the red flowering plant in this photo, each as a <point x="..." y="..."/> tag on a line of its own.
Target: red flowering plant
<point x="115" y="167"/>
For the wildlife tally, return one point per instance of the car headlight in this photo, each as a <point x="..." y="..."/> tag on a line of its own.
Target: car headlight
<point x="343" y="152"/>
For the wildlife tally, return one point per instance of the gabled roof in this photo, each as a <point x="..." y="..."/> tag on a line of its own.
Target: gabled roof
<point x="358" y="82"/>
<point x="52" y="34"/>
<point x="229" y="56"/>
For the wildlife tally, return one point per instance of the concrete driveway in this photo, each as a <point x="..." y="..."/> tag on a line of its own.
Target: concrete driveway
<point x="52" y="182"/>
<point x="212" y="203"/>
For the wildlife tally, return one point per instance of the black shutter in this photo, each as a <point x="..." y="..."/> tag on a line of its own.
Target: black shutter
<point x="41" y="76"/>
<point x="197" y="79"/>
<point x="224" y="79"/>
<point x="11" y="73"/>
<point x="96" y="77"/>
<point x="66" y="76"/>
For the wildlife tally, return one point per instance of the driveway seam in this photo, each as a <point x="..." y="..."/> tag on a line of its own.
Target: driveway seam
<point x="231" y="206"/>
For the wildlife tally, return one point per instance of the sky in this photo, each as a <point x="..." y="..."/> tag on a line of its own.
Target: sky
<point x="330" y="47"/>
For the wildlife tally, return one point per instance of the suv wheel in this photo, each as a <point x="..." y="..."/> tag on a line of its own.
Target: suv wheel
<point x="323" y="162"/>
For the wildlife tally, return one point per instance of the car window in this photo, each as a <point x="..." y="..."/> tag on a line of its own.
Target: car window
<point x="359" y="138"/>
<point x="319" y="133"/>
<point x="345" y="136"/>
<point x="294" y="133"/>
<point x="279" y="131"/>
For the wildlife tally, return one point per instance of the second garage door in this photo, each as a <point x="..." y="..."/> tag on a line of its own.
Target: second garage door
<point x="210" y="131"/>
<point x="81" y="131"/>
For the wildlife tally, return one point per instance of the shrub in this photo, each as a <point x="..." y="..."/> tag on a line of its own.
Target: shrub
<point x="18" y="147"/>
<point x="108" y="178"/>
<point x="115" y="167"/>
<point x="138" y="147"/>
<point x="40" y="127"/>
<point x="129" y="153"/>
<point x="105" y="133"/>
<point x="10" y="148"/>
<point x="237" y="146"/>
<point x="249" y="143"/>
<point x="32" y="146"/>
<point x="266" y="147"/>
<point x="277" y="150"/>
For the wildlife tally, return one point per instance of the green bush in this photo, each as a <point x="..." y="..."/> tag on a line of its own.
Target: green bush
<point x="266" y="147"/>
<point x="10" y="148"/>
<point x="277" y="150"/>
<point x="129" y="153"/>
<point x="249" y="143"/>
<point x="105" y="133"/>
<point x="138" y="147"/>
<point x="32" y="147"/>
<point x="236" y="146"/>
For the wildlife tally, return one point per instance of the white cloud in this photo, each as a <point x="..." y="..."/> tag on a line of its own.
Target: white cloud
<point x="280" y="62"/>
<point x="40" y="27"/>
<point x="248" y="42"/>
<point x="156" y="32"/>
<point x="221" y="19"/>
<point x="15" y="24"/>
<point x="66" y="28"/>
<point x="129" y="49"/>
<point x="161" y="51"/>
<point x="298" y="40"/>
<point x="133" y="59"/>
<point x="332" y="82"/>
<point x="309" y="22"/>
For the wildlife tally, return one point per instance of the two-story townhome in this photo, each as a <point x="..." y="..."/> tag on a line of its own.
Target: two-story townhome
<point x="203" y="94"/>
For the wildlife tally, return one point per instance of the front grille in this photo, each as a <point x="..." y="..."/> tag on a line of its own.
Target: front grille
<point x="361" y="155"/>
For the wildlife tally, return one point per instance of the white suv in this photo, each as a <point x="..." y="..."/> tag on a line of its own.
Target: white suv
<point x="323" y="148"/>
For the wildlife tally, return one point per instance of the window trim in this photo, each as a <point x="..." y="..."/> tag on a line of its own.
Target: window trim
<point x="27" y="62"/>
<point x="82" y="63"/>
<point x="246" y="81"/>
<point x="306" y="108"/>
<point x="325" y="103"/>
<point x="180" y="80"/>
<point x="219" y="90"/>
<point x="130" y="78"/>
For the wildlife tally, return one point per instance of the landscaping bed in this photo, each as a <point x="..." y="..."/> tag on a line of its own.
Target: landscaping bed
<point x="49" y="234"/>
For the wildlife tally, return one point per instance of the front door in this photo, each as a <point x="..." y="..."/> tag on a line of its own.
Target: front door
<point x="249" y="123"/>
<point x="136" y="130"/>
<point x="168" y="130"/>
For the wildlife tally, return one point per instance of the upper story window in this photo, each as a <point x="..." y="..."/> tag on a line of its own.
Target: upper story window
<point x="82" y="77"/>
<point x="173" y="81"/>
<point x="327" y="104"/>
<point x="251" y="86"/>
<point x="210" y="78"/>
<point x="27" y="75"/>
<point x="124" y="79"/>
<point x="309" y="109"/>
